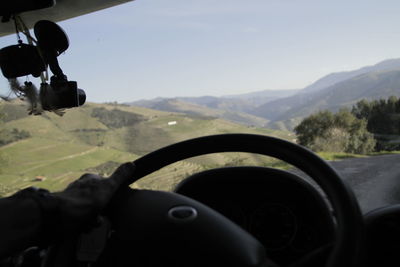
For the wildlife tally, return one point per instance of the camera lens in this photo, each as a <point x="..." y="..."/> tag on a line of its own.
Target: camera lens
<point x="81" y="97"/>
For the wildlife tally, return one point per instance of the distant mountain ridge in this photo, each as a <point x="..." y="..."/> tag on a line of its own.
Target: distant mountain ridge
<point x="261" y="97"/>
<point x="336" y="77"/>
<point x="237" y="102"/>
<point x="202" y="111"/>
<point x="236" y="108"/>
<point x="285" y="109"/>
<point x="286" y="113"/>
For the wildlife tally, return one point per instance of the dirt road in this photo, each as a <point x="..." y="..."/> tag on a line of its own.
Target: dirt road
<point x="375" y="180"/>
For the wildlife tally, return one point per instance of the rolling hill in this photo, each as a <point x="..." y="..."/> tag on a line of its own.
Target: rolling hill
<point x="203" y="107"/>
<point x="287" y="112"/>
<point x="51" y="151"/>
<point x="236" y="108"/>
<point x="240" y="102"/>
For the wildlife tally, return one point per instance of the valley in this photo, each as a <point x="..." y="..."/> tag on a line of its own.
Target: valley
<point x="284" y="109"/>
<point x="98" y="137"/>
<point x="51" y="151"/>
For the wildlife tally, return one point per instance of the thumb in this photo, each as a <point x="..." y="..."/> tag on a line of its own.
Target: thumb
<point x="122" y="174"/>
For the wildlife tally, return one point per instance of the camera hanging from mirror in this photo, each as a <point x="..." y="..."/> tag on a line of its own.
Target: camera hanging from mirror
<point x="35" y="58"/>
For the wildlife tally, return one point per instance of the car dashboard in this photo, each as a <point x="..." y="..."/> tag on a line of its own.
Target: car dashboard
<point x="283" y="211"/>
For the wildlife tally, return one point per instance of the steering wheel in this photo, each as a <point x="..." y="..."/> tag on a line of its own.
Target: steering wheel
<point x="184" y="232"/>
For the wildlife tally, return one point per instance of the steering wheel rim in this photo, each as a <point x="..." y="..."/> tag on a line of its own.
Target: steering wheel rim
<point x="349" y="236"/>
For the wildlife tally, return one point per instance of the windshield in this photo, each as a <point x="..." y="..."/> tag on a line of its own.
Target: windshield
<point x="325" y="75"/>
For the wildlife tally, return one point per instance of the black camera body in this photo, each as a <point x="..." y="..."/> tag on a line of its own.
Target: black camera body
<point x="60" y="94"/>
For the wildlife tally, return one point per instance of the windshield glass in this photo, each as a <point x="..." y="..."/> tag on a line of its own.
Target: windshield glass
<point x="325" y="75"/>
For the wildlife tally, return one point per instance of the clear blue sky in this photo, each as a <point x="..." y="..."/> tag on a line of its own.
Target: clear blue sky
<point x="150" y="48"/>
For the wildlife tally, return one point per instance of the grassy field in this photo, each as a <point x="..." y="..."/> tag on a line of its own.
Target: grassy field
<point x="340" y="156"/>
<point x="60" y="149"/>
<point x="56" y="163"/>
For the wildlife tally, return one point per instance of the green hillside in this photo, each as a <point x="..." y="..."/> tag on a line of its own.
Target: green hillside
<point x="51" y="151"/>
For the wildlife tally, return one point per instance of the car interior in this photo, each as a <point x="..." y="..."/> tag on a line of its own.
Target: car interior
<point x="230" y="216"/>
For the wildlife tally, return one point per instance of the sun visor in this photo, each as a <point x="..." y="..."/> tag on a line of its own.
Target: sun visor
<point x="10" y="7"/>
<point x="21" y="60"/>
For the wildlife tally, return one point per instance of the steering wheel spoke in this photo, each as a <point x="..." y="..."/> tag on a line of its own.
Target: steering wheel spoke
<point x="193" y="233"/>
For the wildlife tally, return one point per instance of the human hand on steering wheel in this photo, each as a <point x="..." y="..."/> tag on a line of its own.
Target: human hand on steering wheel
<point x="86" y="197"/>
<point x="37" y="217"/>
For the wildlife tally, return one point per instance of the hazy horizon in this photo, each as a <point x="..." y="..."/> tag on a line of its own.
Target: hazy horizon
<point x="148" y="49"/>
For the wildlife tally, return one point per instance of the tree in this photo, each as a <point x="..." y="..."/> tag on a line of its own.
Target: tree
<point x="313" y="126"/>
<point x="334" y="140"/>
<point x="382" y="116"/>
<point x="361" y="141"/>
<point x="383" y="120"/>
<point x="362" y="109"/>
<point x="340" y="132"/>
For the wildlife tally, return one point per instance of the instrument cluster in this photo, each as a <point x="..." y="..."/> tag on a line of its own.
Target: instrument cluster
<point x="283" y="211"/>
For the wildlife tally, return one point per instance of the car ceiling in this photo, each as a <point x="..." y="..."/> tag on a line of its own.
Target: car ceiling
<point x="62" y="10"/>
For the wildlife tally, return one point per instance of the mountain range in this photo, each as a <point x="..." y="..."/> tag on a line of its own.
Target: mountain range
<point x="284" y="109"/>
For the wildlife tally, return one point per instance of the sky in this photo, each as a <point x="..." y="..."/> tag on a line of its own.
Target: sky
<point x="157" y="48"/>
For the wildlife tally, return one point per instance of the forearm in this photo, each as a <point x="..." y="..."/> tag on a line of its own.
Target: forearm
<point x="20" y="223"/>
<point x="37" y="217"/>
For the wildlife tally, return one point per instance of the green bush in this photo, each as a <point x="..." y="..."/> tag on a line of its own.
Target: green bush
<point x="340" y="132"/>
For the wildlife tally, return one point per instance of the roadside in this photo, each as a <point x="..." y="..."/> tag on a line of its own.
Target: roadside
<point x="375" y="180"/>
